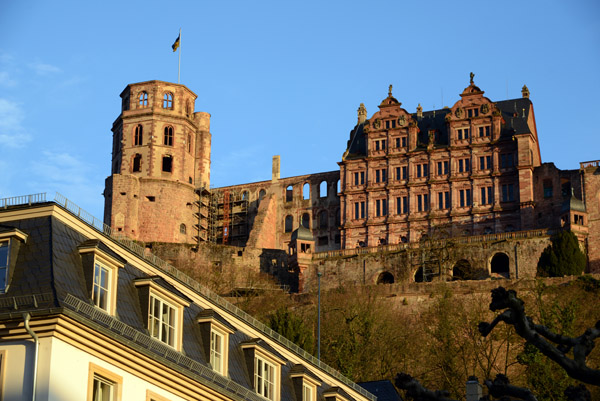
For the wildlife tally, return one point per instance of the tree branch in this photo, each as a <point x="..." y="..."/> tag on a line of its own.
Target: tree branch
<point x="500" y="387"/>
<point x="538" y="336"/>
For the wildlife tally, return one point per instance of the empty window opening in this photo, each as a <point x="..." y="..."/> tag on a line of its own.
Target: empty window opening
<point x="323" y="219"/>
<point x="167" y="164"/>
<point x="306" y="191"/>
<point x="137" y="163"/>
<point x="462" y="270"/>
<point x="138" y="136"/>
<point x="191" y="181"/>
<point x="548" y="189"/>
<point x="385" y="278"/>
<point x="189" y="143"/>
<point x="168" y="137"/>
<point x="404" y="239"/>
<point x="289" y="223"/>
<point x="151" y="198"/>
<point x="289" y="193"/>
<point x="123" y="193"/>
<point x="322" y="241"/>
<point x="261" y="194"/>
<point x="168" y="101"/>
<point x="323" y="189"/>
<point x="419" y="277"/>
<point x="338" y="186"/>
<point x="245" y="195"/>
<point x="143" y="99"/>
<point x="306" y="220"/>
<point x="182" y="229"/>
<point x="500" y="265"/>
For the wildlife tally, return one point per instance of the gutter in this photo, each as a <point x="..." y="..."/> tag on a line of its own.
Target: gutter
<point x="26" y="318"/>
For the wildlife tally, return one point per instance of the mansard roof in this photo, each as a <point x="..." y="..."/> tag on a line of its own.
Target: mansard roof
<point x="49" y="279"/>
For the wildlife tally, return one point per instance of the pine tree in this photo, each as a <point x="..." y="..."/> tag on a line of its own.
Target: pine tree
<point x="562" y="257"/>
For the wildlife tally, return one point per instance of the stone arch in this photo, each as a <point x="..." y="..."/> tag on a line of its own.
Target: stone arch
<point x="418" y="276"/>
<point x="261" y="194"/>
<point x="306" y="191"/>
<point x="323" y="189"/>
<point x="306" y="220"/>
<point x="289" y="193"/>
<point x="385" y="278"/>
<point x="462" y="270"/>
<point x="500" y="264"/>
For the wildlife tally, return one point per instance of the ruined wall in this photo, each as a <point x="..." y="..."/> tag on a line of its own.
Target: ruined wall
<point x="591" y="183"/>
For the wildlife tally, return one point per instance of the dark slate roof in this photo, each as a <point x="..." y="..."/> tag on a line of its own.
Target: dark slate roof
<point x="210" y="313"/>
<point x="384" y="390"/>
<point x="515" y="122"/>
<point x="49" y="278"/>
<point x="161" y="282"/>
<point x="573" y="204"/>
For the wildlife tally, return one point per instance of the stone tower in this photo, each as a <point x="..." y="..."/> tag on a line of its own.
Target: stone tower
<point x="160" y="156"/>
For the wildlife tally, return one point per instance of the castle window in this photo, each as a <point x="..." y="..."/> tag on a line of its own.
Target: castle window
<point x="380" y="144"/>
<point x="464" y="197"/>
<point x="442" y="167"/>
<point x="138" y="136"/>
<point x="143" y="99"/>
<point x="443" y="200"/>
<point x="137" y="163"/>
<point x="402" y="205"/>
<point x="507" y="160"/>
<point x="472" y="113"/>
<point x="306" y="220"/>
<point x="289" y="193"/>
<point x="462" y="133"/>
<point x="189" y="143"/>
<point x="487" y="196"/>
<point x="168" y="137"/>
<point x="168" y="101"/>
<point x="422" y="170"/>
<point x="401" y="142"/>
<point x="485" y="162"/>
<point x="187" y="108"/>
<point x="261" y="194"/>
<point x="289" y="223"/>
<point x="323" y="189"/>
<point x="463" y="165"/>
<point x="548" y="189"/>
<point x="359" y="178"/>
<point x="323" y="219"/>
<point x="306" y="191"/>
<point x="182" y="228"/>
<point x="484" y="131"/>
<point x="380" y="175"/>
<point x="359" y="210"/>
<point x="167" y="164"/>
<point x="508" y="193"/>
<point x="380" y="207"/>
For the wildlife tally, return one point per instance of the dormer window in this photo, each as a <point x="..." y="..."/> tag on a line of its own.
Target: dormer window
<point x="10" y="242"/>
<point x="168" y="101"/>
<point x="215" y="333"/>
<point x="265" y="368"/>
<point x="164" y="306"/>
<point x="101" y="269"/>
<point x="304" y="381"/>
<point x="472" y="112"/>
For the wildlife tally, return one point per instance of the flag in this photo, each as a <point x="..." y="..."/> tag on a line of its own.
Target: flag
<point x="176" y="44"/>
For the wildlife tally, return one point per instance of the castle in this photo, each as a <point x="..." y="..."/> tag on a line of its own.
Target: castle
<point x="472" y="172"/>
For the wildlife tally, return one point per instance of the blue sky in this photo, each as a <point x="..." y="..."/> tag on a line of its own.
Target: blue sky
<point x="279" y="77"/>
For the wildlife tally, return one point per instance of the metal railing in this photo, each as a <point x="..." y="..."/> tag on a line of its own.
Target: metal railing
<point x="207" y="293"/>
<point x="23" y="200"/>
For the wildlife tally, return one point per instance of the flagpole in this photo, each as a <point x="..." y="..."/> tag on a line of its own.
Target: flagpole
<point x="179" y="68"/>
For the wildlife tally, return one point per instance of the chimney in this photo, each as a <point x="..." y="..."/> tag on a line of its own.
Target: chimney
<point x="525" y="91"/>
<point x="362" y="113"/>
<point x="276" y="168"/>
<point x="474" y="389"/>
<point x="419" y="111"/>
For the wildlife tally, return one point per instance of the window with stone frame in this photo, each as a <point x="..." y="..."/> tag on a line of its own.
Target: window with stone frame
<point x="422" y="170"/>
<point x="464" y="165"/>
<point x="137" y="163"/>
<point x="380" y="144"/>
<point x="359" y="210"/>
<point x="138" y="136"/>
<point x="167" y="164"/>
<point x="444" y="200"/>
<point x="484" y="131"/>
<point x="168" y="136"/>
<point x="401" y="142"/>
<point x="487" y="195"/>
<point x="507" y="160"/>
<point x="380" y="175"/>
<point x="380" y="207"/>
<point x="464" y="197"/>
<point x="359" y="177"/>
<point x="508" y="192"/>
<point x="473" y="112"/>
<point x="485" y="162"/>
<point x="402" y="205"/>
<point x="443" y="167"/>
<point x="422" y="202"/>
<point x="167" y="101"/>
<point x="143" y="99"/>
<point x="462" y="133"/>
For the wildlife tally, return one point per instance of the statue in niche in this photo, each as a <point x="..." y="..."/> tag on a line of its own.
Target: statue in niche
<point x="458" y="113"/>
<point x="402" y="121"/>
<point x="377" y="124"/>
<point x="485" y="108"/>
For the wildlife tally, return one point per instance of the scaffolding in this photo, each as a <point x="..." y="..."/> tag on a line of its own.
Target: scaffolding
<point x="222" y="216"/>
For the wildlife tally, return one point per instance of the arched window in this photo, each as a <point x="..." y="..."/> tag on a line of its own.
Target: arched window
<point x="500" y="265"/>
<point x="339" y="187"/>
<point x="261" y="194"/>
<point x="289" y="223"/>
<point x="289" y="193"/>
<point x="323" y="189"/>
<point x="385" y="278"/>
<point x="137" y="163"/>
<point x="138" y="136"/>
<point x="323" y="219"/>
<point x="462" y="270"/>
<point x="306" y="191"/>
<point x="182" y="229"/>
<point x="167" y="164"/>
<point x="306" y="220"/>
<point x="189" y="143"/>
<point x="245" y="195"/>
<point x="143" y="99"/>
<point x="168" y="101"/>
<point x="168" y="137"/>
